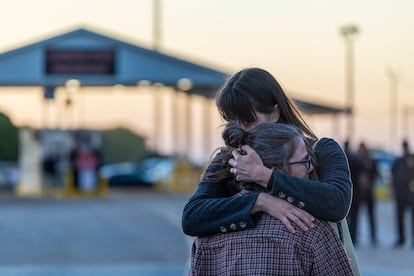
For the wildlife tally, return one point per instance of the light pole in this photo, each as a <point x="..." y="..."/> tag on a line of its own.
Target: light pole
<point x="349" y="32"/>
<point x="156" y="21"/>
<point x="408" y="112"/>
<point x="393" y="78"/>
<point x="406" y="122"/>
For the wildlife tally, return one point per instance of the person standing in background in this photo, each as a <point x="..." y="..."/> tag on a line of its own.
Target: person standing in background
<point x="366" y="182"/>
<point x="50" y="166"/>
<point x="355" y="167"/>
<point x="87" y="165"/>
<point x="403" y="191"/>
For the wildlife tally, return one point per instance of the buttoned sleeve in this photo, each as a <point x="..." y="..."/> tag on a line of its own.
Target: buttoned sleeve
<point x="214" y="208"/>
<point x="327" y="198"/>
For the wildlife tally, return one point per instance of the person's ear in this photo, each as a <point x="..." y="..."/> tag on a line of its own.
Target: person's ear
<point x="276" y="113"/>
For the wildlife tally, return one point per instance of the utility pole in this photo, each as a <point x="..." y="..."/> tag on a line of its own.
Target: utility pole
<point x="349" y="32"/>
<point x="156" y="24"/>
<point x="393" y="79"/>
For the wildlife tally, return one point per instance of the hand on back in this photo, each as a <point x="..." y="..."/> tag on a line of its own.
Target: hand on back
<point x="282" y="210"/>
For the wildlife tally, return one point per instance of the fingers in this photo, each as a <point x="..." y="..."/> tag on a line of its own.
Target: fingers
<point x="307" y="218"/>
<point x="236" y="153"/>
<point x="239" y="153"/>
<point x="247" y="149"/>
<point x="232" y="162"/>
<point x="233" y="170"/>
<point x="291" y="215"/>
<point x="288" y="225"/>
<point x="302" y="219"/>
<point x="296" y="220"/>
<point x="291" y="219"/>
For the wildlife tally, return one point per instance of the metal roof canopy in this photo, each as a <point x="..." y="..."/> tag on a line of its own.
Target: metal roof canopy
<point x="53" y="61"/>
<point x="314" y="108"/>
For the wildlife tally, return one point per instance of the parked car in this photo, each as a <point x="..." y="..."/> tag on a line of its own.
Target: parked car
<point x="9" y="174"/>
<point x="145" y="173"/>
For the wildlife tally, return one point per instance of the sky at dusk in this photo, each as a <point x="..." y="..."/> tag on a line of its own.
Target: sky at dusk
<point x="298" y="41"/>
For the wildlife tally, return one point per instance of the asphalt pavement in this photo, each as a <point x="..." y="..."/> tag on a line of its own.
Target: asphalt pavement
<point x="137" y="232"/>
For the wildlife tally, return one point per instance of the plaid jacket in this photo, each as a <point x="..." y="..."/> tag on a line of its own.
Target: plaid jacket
<point x="269" y="249"/>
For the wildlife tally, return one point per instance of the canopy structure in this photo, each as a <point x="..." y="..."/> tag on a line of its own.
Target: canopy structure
<point x="99" y="60"/>
<point x="316" y="108"/>
<point x="95" y="59"/>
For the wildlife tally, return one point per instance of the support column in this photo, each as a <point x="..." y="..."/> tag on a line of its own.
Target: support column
<point x="157" y="123"/>
<point x="175" y="111"/>
<point x="207" y="128"/>
<point x="188" y="141"/>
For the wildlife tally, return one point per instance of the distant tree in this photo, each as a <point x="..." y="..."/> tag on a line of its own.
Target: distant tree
<point x="121" y="144"/>
<point x="9" y="139"/>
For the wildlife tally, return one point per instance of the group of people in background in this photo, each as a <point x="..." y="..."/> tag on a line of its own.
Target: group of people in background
<point x="81" y="162"/>
<point x="364" y="174"/>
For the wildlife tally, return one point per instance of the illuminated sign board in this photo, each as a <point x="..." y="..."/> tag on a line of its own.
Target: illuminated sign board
<point x="99" y="62"/>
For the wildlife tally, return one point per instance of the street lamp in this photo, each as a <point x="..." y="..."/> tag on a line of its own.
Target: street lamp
<point x="349" y="32"/>
<point x="393" y="78"/>
<point x="156" y="32"/>
<point x="407" y="112"/>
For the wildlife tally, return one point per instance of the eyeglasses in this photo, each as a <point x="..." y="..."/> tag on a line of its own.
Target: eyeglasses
<point x="307" y="162"/>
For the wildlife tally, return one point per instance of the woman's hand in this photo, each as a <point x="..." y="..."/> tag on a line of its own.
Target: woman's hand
<point x="249" y="167"/>
<point x="283" y="211"/>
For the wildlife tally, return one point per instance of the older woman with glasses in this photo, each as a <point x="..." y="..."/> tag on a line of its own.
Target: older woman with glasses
<point x="269" y="249"/>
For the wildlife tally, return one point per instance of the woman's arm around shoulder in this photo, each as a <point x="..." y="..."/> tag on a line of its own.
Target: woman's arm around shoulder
<point x="214" y="208"/>
<point x="327" y="198"/>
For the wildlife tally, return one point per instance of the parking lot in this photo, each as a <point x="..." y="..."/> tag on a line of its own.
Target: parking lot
<point x="133" y="232"/>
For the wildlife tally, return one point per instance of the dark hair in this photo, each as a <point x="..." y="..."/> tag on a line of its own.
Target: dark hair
<point x="256" y="89"/>
<point x="275" y="143"/>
